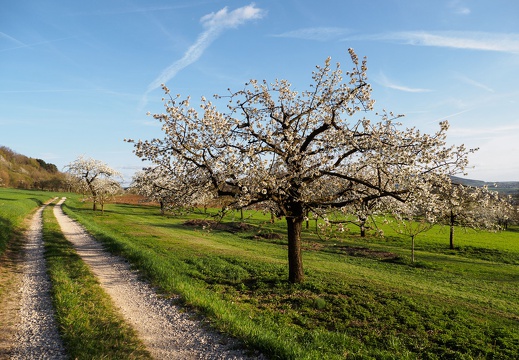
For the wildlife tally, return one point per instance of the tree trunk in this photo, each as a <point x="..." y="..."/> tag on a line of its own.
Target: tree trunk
<point x="412" y="248"/>
<point x="451" y="233"/>
<point x="295" y="260"/>
<point x="94" y="194"/>
<point x="451" y="237"/>
<point x="362" y="227"/>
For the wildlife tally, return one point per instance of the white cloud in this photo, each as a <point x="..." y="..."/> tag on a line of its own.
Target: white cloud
<point x="504" y="130"/>
<point x="495" y="160"/>
<point x="223" y="19"/>
<point x="460" y="40"/>
<point x="384" y="81"/>
<point x="475" y="83"/>
<point x="463" y="11"/>
<point x="459" y="8"/>
<point x="215" y="24"/>
<point x="317" y="33"/>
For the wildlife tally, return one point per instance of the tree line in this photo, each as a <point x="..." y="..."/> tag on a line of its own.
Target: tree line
<point x="22" y="172"/>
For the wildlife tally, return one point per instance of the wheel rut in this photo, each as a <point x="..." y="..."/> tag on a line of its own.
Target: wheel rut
<point x="37" y="336"/>
<point x="167" y="331"/>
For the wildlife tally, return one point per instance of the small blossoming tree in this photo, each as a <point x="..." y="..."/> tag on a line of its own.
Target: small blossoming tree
<point x="418" y="214"/>
<point x="156" y="184"/>
<point x="153" y="187"/>
<point x="107" y="189"/>
<point x="298" y="150"/>
<point x="468" y="207"/>
<point x="92" y="176"/>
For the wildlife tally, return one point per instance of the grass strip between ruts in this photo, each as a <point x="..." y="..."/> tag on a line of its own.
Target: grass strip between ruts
<point x="89" y="324"/>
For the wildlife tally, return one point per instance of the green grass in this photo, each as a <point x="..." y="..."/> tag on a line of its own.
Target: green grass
<point x="90" y="326"/>
<point x="15" y="206"/>
<point x="362" y="298"/>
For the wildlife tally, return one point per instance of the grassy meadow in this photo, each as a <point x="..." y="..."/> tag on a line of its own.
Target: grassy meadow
<point x="362" y="297"/>
<point x="15" y="206"/>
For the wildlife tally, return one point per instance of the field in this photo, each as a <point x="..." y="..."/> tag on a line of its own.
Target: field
<point x="362" y="297"/>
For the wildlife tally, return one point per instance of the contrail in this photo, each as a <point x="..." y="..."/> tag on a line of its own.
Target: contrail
<point x="215" y="24"/>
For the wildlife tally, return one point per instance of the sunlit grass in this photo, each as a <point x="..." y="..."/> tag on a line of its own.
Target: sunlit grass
<point x="362" y="297"/>
<point x="15" y="206"/>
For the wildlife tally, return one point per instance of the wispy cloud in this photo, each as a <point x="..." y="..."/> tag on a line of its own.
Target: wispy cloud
<point x="316" y="33"/>
<point x="214" y="23"/>
<point x="449" y="116"/>
<point x="490" y="131"/>
<point x="11" y="39"/>
<point x="384" y="81"/>
<point x="459" y="8"/>
<point x="16" y="44"/>
<point x="475" y="83"/>
<point x="459" y="40"/>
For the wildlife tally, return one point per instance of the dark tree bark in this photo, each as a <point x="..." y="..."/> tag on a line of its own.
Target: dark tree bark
<point x="295" y="259"/>
<point x="363" y="227"/>
<point x="451" y="233"/>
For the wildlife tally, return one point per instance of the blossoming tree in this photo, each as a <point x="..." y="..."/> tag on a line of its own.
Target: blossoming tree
<point x="299" y="150"/>
<point x="153" y="187"/>
<point x="95" y="177"/>
<point x="417" y="214"/>
<point x="107" y="189"/>
<point x="156" y="184"/>
<point x="469" y="207"/>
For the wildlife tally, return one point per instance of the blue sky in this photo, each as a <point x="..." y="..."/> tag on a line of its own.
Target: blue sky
<point x="78" y="77"/>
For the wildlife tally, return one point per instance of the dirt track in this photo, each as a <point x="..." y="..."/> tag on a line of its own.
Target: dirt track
<point x="37" y="334"/>
<point x="167" y="331"/>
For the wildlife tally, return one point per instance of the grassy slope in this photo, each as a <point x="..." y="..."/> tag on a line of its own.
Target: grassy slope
<point x="451" y="304"/>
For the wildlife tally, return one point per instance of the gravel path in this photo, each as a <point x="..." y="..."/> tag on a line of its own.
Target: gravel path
<point x="37" y="336"/>
<point x="167" y="332"/>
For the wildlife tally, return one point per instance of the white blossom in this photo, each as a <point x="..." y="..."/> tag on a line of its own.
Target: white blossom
<point x="298" y="150"/>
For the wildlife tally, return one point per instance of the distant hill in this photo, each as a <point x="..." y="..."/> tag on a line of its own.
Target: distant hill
<point x="22" y="172"/>
<point x="502" y="187"/>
